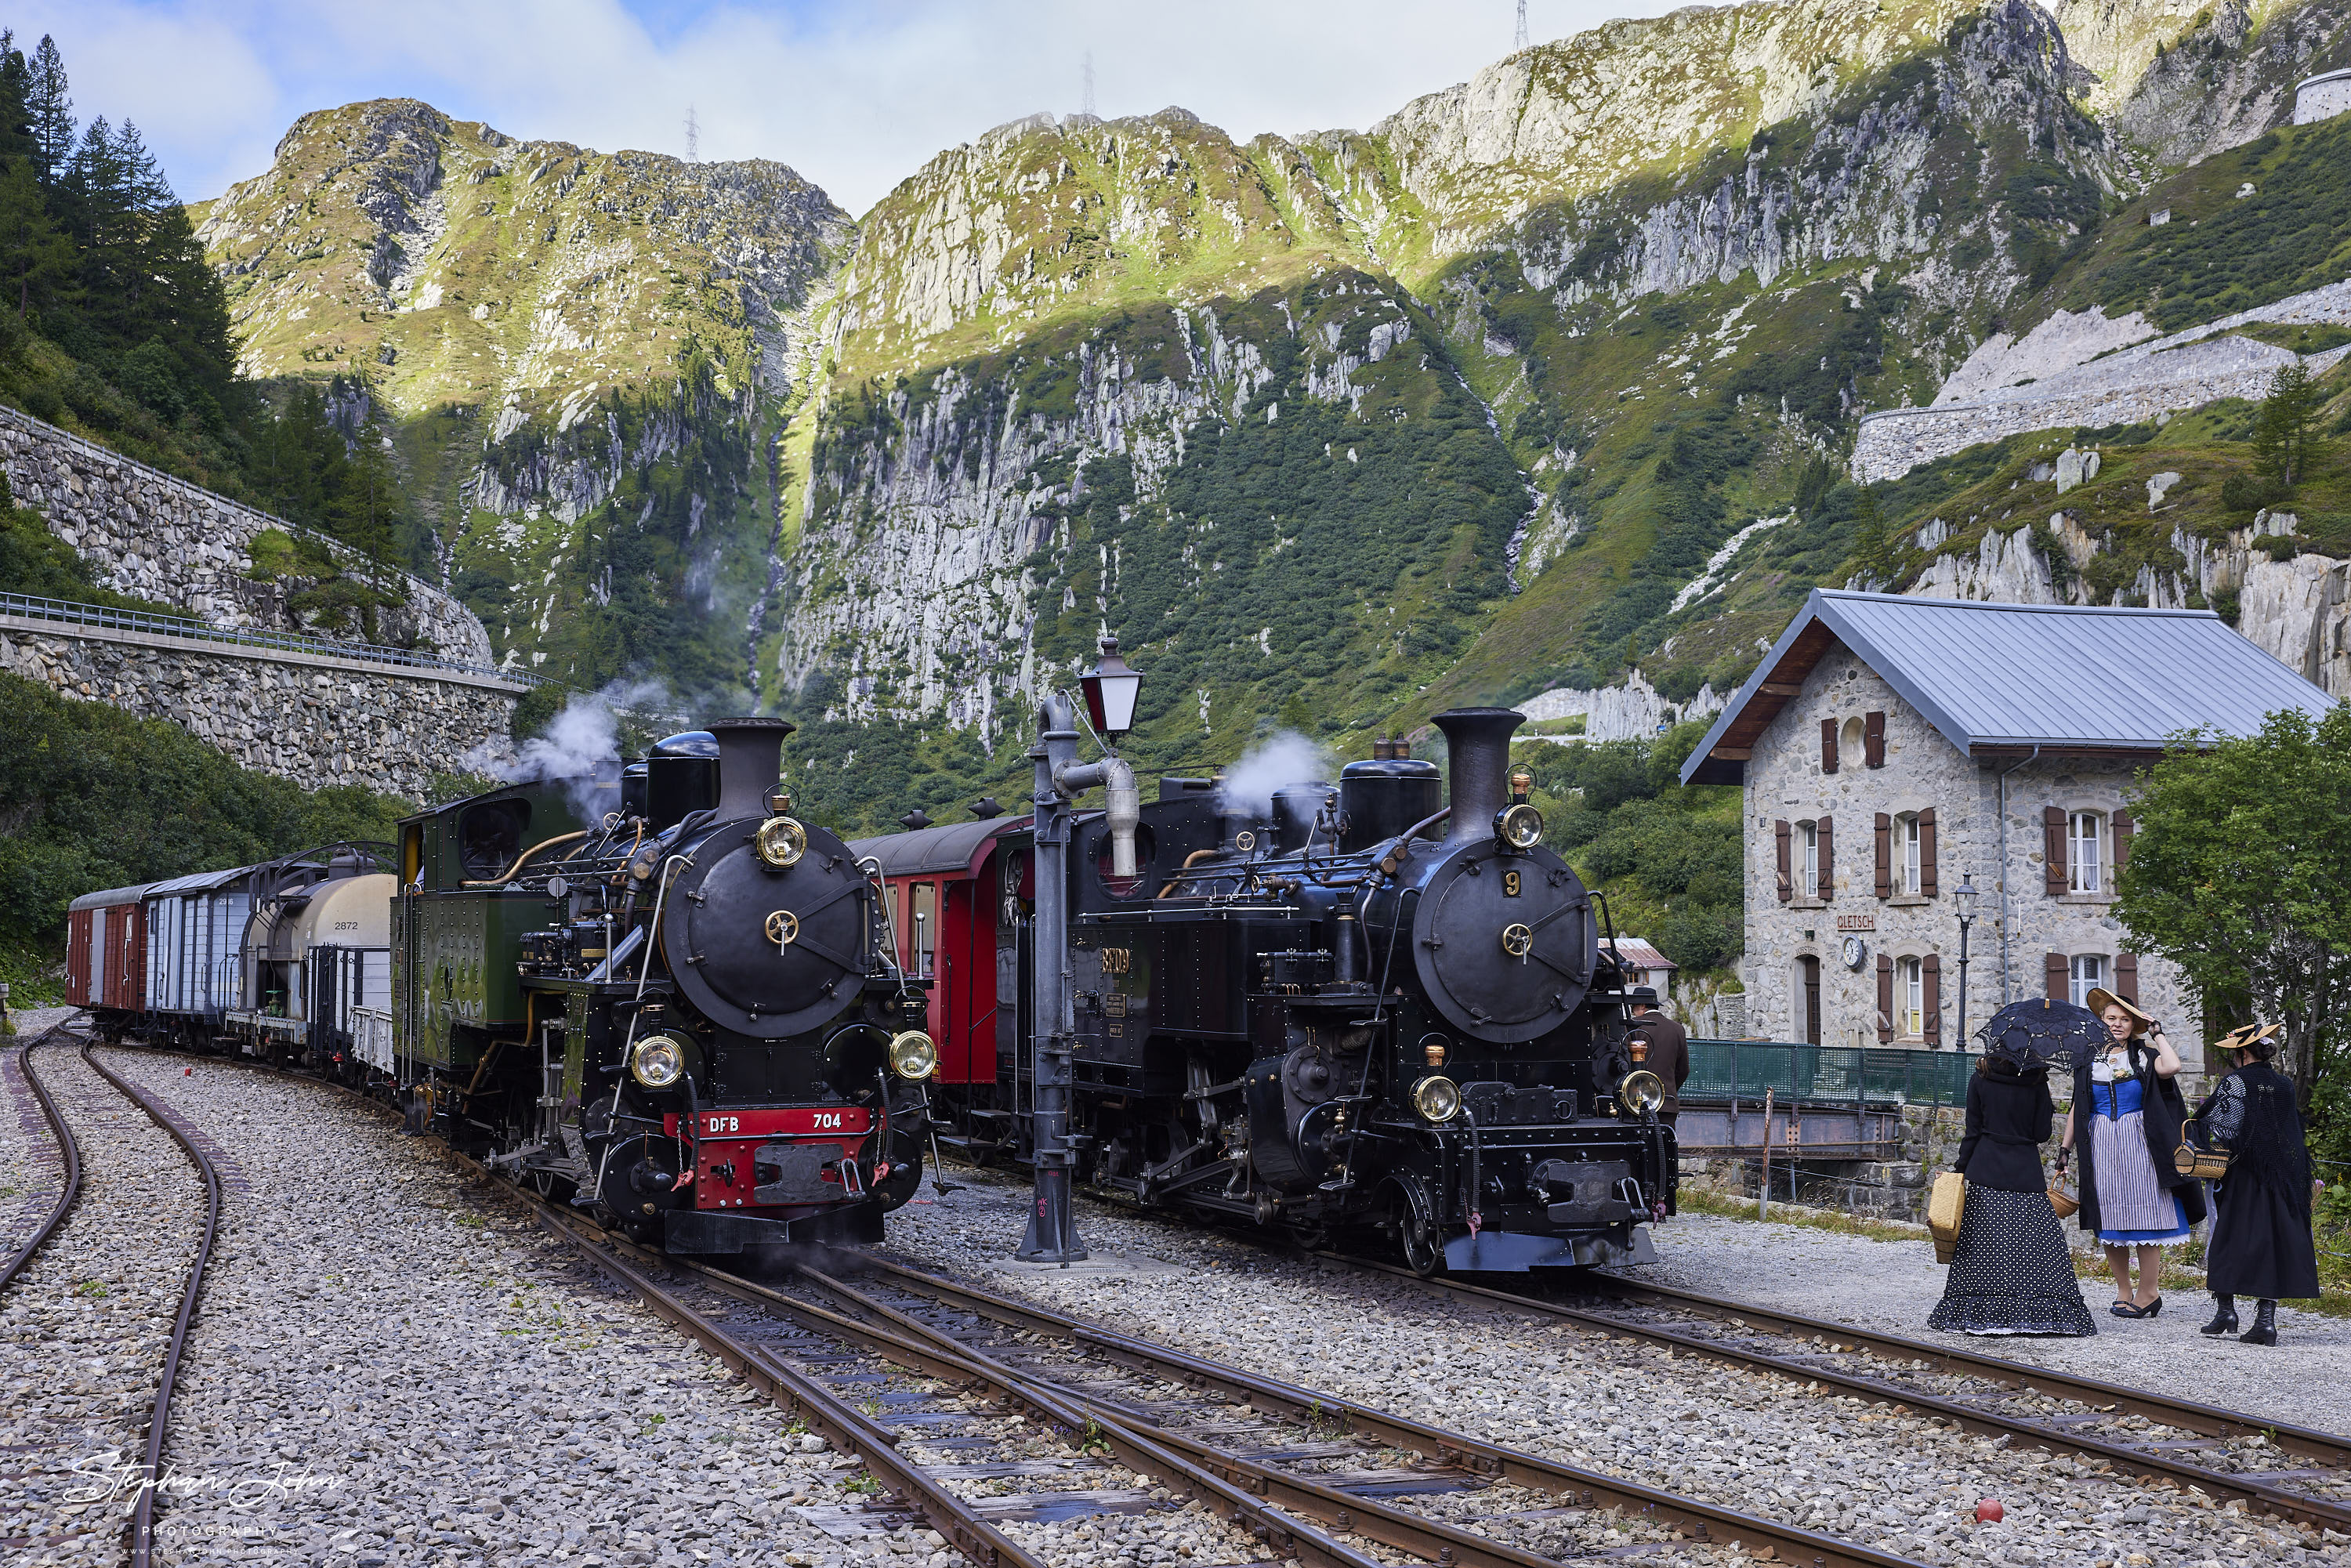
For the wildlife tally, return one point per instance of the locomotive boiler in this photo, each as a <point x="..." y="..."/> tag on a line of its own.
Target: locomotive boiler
<point x="1359" y="1012"/>
<point x="657" y="990"/>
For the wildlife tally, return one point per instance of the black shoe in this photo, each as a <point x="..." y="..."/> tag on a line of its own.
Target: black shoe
<point x="2126" y="1310"/>
<point x="2224" y="1316"/>
<point x="2152" y="1308"/>
<point x="2264" y="1329"/>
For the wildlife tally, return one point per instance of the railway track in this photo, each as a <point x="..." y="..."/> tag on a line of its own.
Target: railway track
<point x="144" y="1480"/>
<point x="2225" y="1454"/>
<point x="927" y="1348"/>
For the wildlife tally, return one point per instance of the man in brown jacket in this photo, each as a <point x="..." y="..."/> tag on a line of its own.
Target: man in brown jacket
<point x="1669" y="1043"/>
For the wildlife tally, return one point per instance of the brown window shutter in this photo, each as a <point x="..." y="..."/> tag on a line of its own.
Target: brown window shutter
<point x="1885" y="855"/>
<point x="1828" y="745"/>
<point x="1931" y="989"/>
<point x="2126" y="977"/>
<point x="2121" y="825"/>
<point x="2055" y="975"/>
<point x="1927" y="851"/>
<point x="1885" y="998"/>
<point x="1780" y="837"/>
<point x="2053" y="849"/>
<point x="1828" y="861"/>
<point x="1872" y="740"/>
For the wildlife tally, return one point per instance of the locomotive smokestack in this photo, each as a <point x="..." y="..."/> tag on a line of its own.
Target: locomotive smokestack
<point x="750" y="761"/>
<point x="1477" y="750"/>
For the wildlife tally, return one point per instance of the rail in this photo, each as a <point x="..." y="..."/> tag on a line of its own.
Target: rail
<point x="29" y="607"/>
<point x="1739" y="1072"/>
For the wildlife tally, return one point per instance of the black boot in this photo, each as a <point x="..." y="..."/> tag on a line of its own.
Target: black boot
<point x="2264" y="1329"/>
<point x="2224" y="1315"/>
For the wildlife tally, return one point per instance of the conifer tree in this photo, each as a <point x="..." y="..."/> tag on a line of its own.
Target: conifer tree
<point x="49" y="113"/>
<point x="35" y="261"/>
<point x="2285" y="431"/>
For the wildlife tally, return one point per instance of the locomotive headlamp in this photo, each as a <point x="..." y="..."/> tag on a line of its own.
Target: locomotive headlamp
<point x="782" y="841"/>
<point x="1519" y="825"/>
<point x="657" y="1062"/>
<point x="1640" y="1093"/>
<point x="914" y="1055"/>
<point x="1438" y="1099"/>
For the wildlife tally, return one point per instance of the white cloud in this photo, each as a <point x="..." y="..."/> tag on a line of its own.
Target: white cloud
<point x="854" y="97"/>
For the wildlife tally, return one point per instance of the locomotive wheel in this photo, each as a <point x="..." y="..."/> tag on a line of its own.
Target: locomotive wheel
<point x="1424" y="1254"/>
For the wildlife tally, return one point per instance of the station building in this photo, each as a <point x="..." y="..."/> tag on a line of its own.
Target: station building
<point x="1904" y="758"/>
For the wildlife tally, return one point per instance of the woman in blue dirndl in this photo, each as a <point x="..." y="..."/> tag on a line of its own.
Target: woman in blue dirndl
<point x="2126" y="1120"/>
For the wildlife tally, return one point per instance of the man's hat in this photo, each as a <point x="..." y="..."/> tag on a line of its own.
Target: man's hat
<point x="1642" y="996"/>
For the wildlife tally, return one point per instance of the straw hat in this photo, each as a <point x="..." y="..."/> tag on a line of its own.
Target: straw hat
<point x="2250" y="1037"/>
<point x="2100" y="999"/>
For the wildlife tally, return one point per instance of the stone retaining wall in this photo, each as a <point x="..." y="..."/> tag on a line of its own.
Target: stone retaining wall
<point x="161" y="538"/>
<point x="317" y="721"/>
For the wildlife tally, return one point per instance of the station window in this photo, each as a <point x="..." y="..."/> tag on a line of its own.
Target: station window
<point x="1808" y="835"/>
<point x="2084" y="857"/>
<point x="1906" y="841"/>
<point x="1910" y="997"/>
<point x="2085" y="971"/>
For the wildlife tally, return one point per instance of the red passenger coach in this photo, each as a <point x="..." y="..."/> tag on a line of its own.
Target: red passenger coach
<point x="947" y="889"/>
<point x="106" y="950"/>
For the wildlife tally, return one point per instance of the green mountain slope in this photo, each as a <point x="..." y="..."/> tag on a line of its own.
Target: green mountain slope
<point x="579" y="350"/>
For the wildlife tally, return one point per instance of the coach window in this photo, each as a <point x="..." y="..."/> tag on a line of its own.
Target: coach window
<point x="927" y="925"/>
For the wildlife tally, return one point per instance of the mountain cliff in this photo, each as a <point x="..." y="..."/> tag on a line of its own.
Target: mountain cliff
<point x="1546" y="383"/>
<point x="579" y="348"/>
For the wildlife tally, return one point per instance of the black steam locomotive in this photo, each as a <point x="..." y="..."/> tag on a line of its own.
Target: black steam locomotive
<point x="1356" y="1013"/>
<point x="657" y="990"/>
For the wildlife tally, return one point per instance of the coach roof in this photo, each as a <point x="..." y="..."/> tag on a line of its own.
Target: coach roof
<point x="1997" y="678"/>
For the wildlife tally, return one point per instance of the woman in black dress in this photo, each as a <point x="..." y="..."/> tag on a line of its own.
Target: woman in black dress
<point x="2010" y="1270"/>
<point x="2261" y="1245"/>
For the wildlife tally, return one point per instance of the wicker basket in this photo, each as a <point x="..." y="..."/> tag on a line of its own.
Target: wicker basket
<point x="2064" y="1202"/>
<point x="2202" y="1165"/>
<point x="1946" y="1204"/>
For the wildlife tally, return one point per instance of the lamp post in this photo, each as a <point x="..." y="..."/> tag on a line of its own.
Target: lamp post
<point x="1110" y="691"/>
<point x="1964" y="896"/>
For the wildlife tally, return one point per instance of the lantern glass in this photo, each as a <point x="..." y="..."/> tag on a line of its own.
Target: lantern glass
<point x="1110" y="688"/>
<point x="1964" y="896"/>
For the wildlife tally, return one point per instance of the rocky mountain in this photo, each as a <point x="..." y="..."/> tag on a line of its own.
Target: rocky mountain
<point x="1547" y="383"/>
<point x="580" y="348"/>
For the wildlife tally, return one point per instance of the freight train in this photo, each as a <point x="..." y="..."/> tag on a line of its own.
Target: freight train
<point x="652" y="990"/>
<point x="1353" y="1010"/>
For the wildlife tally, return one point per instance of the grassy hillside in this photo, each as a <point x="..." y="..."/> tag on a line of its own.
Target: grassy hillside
<point x="93" y="798"/>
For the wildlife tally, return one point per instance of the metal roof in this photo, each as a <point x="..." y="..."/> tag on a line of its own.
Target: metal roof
<point x="2000" y="677"/>
<point x="202" y="881"/>
<point x="952" y="847"/>
<point x="1640" y="954"/>
<point x="111" y="897"/>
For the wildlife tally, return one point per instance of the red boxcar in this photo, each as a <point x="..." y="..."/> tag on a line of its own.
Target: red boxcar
<point x="106" y="950"/>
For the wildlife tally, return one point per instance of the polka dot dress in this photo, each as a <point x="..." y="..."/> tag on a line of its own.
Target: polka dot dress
<point x="2010" y="1272"/>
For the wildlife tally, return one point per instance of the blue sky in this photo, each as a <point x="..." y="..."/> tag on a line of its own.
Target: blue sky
<point x="855" y="96"/>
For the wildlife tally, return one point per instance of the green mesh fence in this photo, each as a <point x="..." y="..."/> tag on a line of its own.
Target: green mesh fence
<point x="1743" y="1070"/>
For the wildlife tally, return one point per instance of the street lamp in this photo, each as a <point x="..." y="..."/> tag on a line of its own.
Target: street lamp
<point x="1111" y="689"/>
<point x="1964" y="896"/>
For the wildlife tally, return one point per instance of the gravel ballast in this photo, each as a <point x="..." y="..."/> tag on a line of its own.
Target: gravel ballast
<point x="392" y="1365"/>
<point x="83" y="1329"/>
<point x="1895" y="1481"/>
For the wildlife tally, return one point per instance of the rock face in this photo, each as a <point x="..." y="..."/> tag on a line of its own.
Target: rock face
<point x="155" y="537"/>
<point x="315" y="721"/>
<point x="548" y="324"/>
<point x="2295" y="612"/>
<point x="1634" y="711"/>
